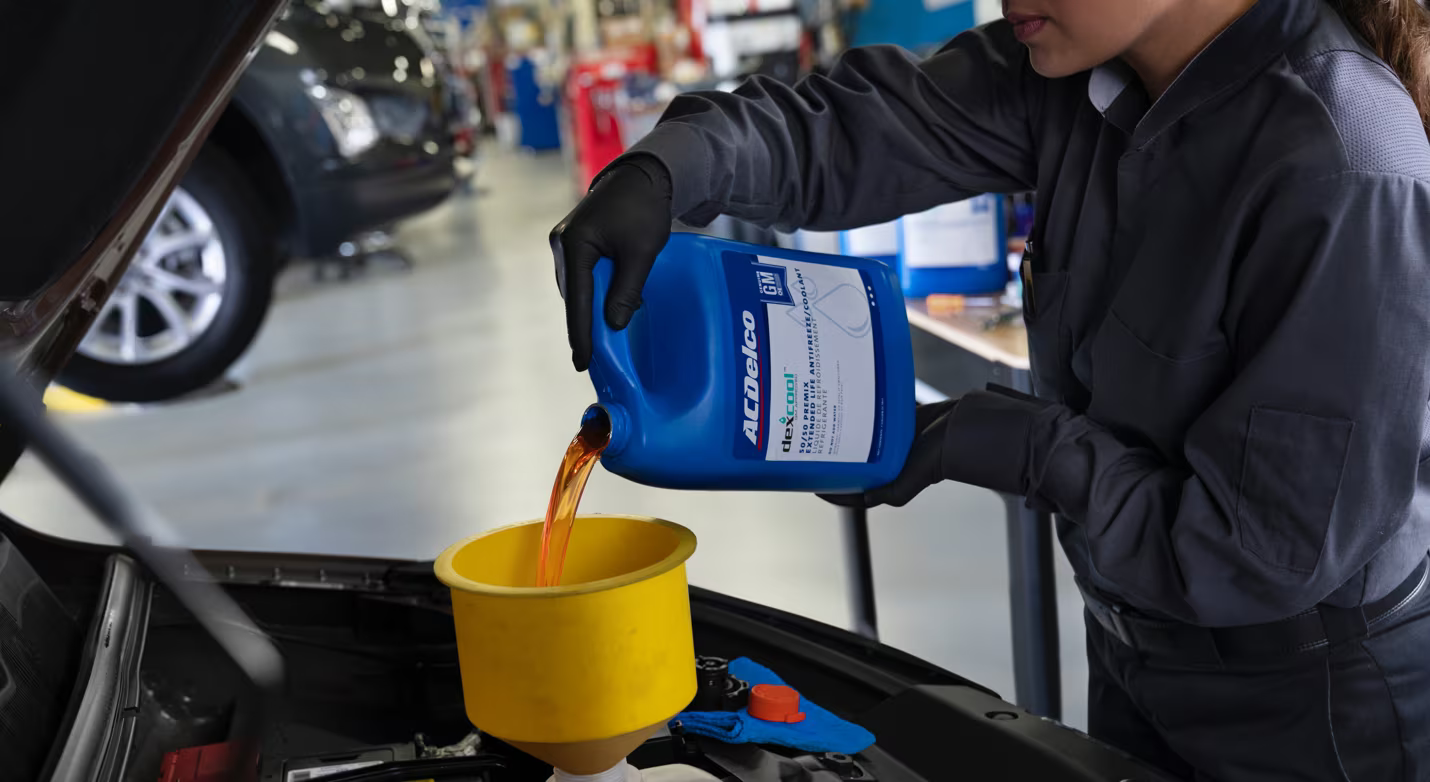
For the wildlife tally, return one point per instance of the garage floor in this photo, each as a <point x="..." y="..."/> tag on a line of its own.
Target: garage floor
<point x="399" y="411"/>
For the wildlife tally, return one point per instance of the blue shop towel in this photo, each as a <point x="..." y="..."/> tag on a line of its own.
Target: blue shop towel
<point x="819" y="731"/>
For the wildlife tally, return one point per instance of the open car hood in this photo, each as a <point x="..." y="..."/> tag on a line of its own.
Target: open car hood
<point x="113" y="100"/>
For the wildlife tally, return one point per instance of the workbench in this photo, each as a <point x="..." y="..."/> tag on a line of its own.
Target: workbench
<point x="955" y="353"/>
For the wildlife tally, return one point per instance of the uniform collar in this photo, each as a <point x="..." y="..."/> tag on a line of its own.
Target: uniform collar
<point x="1106" y="84"/>
<point x="1242" y="50"/>
<point x="1115" y="93"/>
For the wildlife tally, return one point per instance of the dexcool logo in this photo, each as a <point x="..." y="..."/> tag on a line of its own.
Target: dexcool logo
<point x="752" y="379"/>
<point x="788" y="419"/>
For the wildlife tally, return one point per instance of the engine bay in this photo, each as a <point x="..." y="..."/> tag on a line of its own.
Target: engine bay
<point x="481" y="757"/>
<point x="371" y="687"/>
<point x="374" y="694"/>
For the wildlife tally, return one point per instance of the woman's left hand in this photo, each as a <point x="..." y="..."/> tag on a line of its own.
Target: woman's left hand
<point x="922" y="469"/>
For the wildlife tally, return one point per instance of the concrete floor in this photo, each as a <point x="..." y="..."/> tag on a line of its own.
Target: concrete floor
<point x="398" y="412"/>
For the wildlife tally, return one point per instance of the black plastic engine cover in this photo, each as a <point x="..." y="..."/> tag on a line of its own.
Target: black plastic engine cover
<point x="39" y="647"/>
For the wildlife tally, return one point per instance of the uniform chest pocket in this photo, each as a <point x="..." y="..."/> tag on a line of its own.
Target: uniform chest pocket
<point x="1151" y="396"/>
<point x="1048" y="340"/>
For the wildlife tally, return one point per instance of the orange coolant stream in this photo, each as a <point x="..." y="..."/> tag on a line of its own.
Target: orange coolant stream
<point x="576" y="465"/>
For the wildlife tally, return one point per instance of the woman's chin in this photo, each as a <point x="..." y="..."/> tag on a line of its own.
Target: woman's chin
<point x="1052" y="63"/>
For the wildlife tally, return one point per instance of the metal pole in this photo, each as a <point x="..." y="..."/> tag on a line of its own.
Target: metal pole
<point x="860" y="570"/>
<point x="1037" y="677"/>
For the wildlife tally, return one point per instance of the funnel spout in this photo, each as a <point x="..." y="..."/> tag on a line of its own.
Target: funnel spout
<point x="587" y="759"/>
<point x="621" y="772"/>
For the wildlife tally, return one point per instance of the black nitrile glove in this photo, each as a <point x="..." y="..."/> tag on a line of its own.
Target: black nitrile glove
<point x="626" y="217"/>
<point x="922" y="469"/>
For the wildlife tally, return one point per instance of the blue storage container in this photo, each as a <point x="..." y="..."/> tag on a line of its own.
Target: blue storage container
<point x="752" y="367"/>
<point x="534" y="106"/>
<point x="955" y="248"/>
<point x="880" y="242"/>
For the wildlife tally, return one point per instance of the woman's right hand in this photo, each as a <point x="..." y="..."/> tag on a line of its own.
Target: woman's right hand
<point x="626" y="217"/>
<point x="923" y="468"/>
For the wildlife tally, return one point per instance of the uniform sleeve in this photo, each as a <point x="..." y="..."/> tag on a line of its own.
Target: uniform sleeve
<point x="880" y="136"/>
<point x="1302" y="468"/>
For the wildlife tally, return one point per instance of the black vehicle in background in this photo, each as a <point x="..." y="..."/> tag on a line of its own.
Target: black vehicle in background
<point x="342" y="124"/>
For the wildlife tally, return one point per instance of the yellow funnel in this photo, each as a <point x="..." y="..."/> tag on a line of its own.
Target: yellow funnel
<point x="580" y="674"/>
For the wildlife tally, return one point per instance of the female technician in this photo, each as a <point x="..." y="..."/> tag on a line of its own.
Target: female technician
<point x="1229" y="317"/>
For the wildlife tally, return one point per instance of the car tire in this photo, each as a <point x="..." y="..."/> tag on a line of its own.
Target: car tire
<point x="250" y="261"/>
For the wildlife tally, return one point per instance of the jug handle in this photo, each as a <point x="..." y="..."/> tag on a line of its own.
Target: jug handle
<point x="615" y="371"/>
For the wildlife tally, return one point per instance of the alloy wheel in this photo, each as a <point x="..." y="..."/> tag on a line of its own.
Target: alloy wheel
<point x="171" y="292"/>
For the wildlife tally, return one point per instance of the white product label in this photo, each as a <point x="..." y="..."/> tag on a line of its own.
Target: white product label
<point x="960" y="234"/>
<point x="872" y="241"/>
<point x="318" y="772"/>
<point x="826" y="242"/>
<point x="822" y="385"/>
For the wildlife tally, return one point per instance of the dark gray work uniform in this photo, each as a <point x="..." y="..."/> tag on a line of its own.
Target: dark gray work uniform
<point x="1229" y="316"/>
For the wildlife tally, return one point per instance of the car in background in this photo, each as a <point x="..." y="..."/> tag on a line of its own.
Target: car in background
<point x="342" y="124"/>
<point x="438" y="33"/>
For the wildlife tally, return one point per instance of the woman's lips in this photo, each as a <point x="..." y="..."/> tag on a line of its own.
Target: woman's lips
<point x="1026" y="26"/>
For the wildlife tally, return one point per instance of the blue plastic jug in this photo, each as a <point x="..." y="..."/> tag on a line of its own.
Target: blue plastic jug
<point x="751" y="367"/>
<point x="955" y="248"/>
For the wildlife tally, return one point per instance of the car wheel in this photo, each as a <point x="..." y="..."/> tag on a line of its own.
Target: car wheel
<point x="193" y="297"/>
